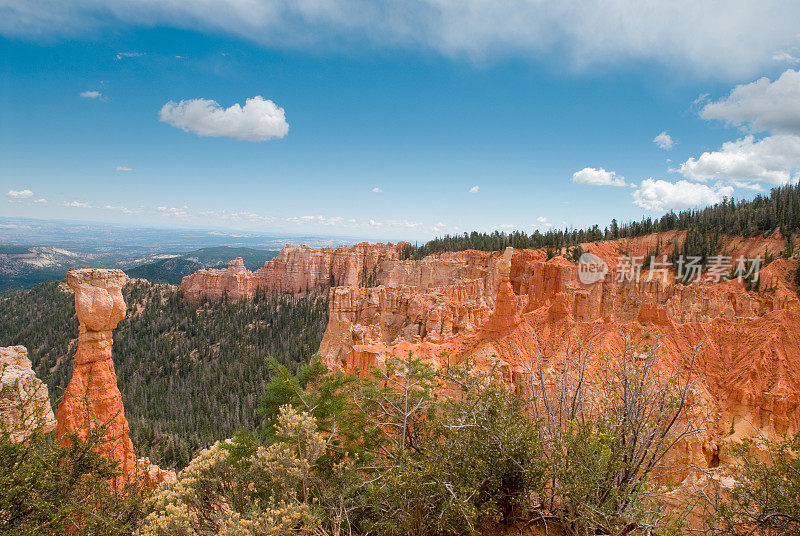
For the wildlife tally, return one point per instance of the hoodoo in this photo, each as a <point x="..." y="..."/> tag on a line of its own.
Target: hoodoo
<point x="92" y="397"/>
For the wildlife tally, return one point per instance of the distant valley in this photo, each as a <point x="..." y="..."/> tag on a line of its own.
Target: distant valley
<point x="33" y="251"/>
<point x="25" y="266"/>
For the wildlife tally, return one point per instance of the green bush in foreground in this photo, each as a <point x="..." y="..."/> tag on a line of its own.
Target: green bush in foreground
<point x="766" y="499"/>
<point x="264" y="493"/>
<point x="48" y="489"/>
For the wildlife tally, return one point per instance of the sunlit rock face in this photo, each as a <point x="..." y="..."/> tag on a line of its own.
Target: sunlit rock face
<point x="92" y="397"/>
<point x="24" y="400"/>
<point x="295" y="269"/>
<point x="502" y="308"/>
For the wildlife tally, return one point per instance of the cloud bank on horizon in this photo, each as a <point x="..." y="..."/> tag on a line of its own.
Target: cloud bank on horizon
<point x="733" y="41"/>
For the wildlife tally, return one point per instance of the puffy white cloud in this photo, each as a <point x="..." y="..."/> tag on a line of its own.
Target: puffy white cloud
<point x="474" y="189"/>
<point x="76" y="204"/>
<point x="699" y="36"/>
<point x="543" y="221"/>
<point x="664" y="141"/>
<point x="40" y="201"/>
<point x="91" y="94"/>
<point x="762" y="105"/>
<point x="19" y="194"/>
<point x="124" y="168"/>
<point x="376" y="190"/>
<point x="259" y="119"/>
<point x="597" y="177"/>
<point x="655" y="194"/>
<point x="773" y="159"/>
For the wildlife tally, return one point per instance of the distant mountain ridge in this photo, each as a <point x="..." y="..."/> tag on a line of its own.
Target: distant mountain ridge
<point x="25" y="266"/>
<point x="171" y="270"/>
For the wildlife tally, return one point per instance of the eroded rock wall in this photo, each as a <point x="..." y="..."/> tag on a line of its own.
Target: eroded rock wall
<point x="24" y="400"/>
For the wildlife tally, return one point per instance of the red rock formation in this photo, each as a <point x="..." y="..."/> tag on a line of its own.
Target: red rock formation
<point x="749" y="371"/>
<point x="487" y="304"/>
<point x="295" y="269"/>
<point x="24" y="401"/>
<point x="92" y="397"/>
<point x="504" y="317"/>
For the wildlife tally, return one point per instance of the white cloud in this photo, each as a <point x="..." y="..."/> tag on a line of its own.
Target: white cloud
<point x="40" y="201"/>
<point x="122" y="55"/>
<point x="474" y="189"/>
<point x="655" y="194"/>
<point x="319" y="220"/>
<point x="258" y="120"/>
<point x="698" y="36"/>
<point x="173" y="212"/>
<point x="773" y="159"/>
<point x="664" y="141"/>
<point x="91" y="94"/>
<point x="244" y="216"/>
<point x="76" y="204"/>
<point x="19" y="194"/>
<point x="119" y="208"/>
<point x="597" y="177"/>
<point x="124" y="168"/>
<point x="543" y="221"/>
<point x="761" y="105"/>
<point x="785" y="57"/>
<point x="376" y="190"/>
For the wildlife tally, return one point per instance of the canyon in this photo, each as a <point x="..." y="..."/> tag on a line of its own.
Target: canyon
<point x="507" y="309"/>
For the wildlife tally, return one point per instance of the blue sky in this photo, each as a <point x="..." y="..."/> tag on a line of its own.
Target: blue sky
<point x="380" y="122"/>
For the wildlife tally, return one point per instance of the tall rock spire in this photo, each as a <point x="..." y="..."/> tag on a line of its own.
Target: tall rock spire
<point x="504" y="316"/>
<point x="92" y="397"/>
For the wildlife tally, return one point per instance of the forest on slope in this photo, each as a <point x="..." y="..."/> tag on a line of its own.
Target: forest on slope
<point x="764" y="214"/>
<point x="189" y="374"/>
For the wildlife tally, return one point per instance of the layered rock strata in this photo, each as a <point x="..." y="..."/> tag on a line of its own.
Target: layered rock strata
<point x="521" y="305"/>
<point x="295" y="269"/>
<point x="24" y="400"/>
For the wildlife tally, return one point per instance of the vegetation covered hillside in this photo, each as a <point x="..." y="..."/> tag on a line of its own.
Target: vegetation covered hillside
<point x="189" y="373"/>
<point x="780" y="210"/>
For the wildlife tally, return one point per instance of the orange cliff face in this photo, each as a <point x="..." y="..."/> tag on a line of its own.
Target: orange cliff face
<point x="503" y="309"/>
<point x="301" y="269"/>
<point x="295" y="269"/>
<point x="92" y="397"/>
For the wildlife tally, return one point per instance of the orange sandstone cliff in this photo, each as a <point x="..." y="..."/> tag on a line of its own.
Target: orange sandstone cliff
<point x="507" y="310"/>
<point x="505" y="307"/>
<point x="295" y="269"/>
